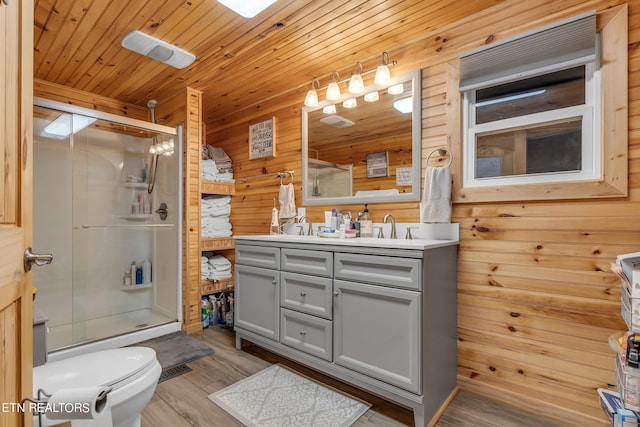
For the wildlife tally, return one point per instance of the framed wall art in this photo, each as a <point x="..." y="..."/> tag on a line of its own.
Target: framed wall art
<point x="262" y="139"/>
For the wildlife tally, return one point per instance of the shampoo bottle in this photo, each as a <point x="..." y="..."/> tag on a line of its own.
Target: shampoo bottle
<point x="366" y="225"/>
<point x="146" y="272"/>
<point x="133" y="270"/>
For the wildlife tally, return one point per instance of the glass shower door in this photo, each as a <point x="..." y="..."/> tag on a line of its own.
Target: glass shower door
<point x="105" y="197"/>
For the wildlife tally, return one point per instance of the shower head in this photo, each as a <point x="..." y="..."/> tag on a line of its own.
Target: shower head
<point x="152" y="104"/>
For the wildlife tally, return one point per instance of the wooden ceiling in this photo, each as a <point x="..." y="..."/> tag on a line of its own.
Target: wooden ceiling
<point x="240" y="62"/>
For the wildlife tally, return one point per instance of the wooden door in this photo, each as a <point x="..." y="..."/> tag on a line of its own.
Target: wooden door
<point x="16" y="110"/>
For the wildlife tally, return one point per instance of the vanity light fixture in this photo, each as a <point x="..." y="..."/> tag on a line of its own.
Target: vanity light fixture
<point x="311" y="100"/>
<point x="329" y="109"/>
<point x="383" y="75"/>
<point x="396" y="89"/>
<point x="356" y="84"/>
<point x="350" y="103"/>
<point x="333" y="90"/>
<point x="247" y="8"/>
<point x="371" y="96"/>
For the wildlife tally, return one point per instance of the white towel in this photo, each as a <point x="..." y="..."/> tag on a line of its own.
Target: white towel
<point x="436" y="198"/>
<point x="287" y="199"/>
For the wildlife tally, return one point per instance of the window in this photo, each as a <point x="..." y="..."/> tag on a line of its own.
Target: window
<point x="538" y="129"/>
<point x="533" y="118"/>
<point x="544" y="114"/>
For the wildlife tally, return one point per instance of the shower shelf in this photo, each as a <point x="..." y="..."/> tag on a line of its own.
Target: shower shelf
<point x="136" y="287"/>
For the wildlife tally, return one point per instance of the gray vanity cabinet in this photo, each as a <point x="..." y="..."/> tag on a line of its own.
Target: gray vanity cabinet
<point x="381" y="318"/>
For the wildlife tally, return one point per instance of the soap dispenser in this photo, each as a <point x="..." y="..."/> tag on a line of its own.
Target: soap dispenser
<point x="366" y="225"/>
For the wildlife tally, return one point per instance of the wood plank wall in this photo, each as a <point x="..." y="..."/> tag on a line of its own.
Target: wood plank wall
<point x="184" y="109"/>
<point x="536" y="299"/>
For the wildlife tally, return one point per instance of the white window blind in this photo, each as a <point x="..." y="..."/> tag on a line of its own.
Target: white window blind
<point x="560" y="45"/>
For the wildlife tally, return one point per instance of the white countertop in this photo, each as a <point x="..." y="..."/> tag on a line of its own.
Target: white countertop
<point x="354" y="241"/>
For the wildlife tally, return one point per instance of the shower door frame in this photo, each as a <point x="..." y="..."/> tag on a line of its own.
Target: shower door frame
<point x="154" y="331"/>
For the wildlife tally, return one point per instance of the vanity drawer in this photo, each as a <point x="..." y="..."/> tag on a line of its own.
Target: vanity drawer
<point x="308" y="294"/>
<point x="310" y="334"/>
<point x="258" y="256"/>
<point x="381" y="270"/>
<point x="307" y="262"/>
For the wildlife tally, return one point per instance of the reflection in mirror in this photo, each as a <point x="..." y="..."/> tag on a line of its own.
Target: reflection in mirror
<point x="367" y="152"/>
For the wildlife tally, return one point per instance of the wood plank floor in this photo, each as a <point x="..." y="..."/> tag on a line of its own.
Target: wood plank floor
<point x="182" y="401"/>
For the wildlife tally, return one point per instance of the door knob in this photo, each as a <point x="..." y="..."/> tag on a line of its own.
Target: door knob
<point x="38" y="259"/>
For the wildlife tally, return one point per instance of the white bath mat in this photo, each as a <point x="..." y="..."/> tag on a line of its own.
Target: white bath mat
<point x="278" y="397"/>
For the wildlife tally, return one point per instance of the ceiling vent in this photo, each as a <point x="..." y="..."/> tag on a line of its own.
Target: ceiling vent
<point x="154" y="48"/>
<point x="337" y="121"/>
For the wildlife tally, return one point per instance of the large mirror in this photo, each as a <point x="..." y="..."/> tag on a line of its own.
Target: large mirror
<point x="367" y="153"/>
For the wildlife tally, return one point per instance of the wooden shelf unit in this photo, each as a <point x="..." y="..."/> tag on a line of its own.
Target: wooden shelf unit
<point x="216" y="243"/>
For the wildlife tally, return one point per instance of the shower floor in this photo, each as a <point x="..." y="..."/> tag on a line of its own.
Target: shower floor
<point x="62" y="336"/>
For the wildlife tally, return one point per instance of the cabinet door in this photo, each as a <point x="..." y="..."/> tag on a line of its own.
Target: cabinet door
<point x="257" y="292"/>
<point x="377" y="332"/>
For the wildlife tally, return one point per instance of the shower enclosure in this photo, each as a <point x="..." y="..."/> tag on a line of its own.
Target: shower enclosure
<point x="102" y="202"/>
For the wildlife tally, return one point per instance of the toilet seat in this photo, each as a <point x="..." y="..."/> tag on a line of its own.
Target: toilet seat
<point x="113" y="368"/>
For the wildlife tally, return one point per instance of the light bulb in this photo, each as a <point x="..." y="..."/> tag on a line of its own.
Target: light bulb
<point x="383" y="75"/>
<point x="396" y="89"/>
<point x="333" y="90"/>
<point x="371" y="96"/>
<point x="356" y="84"/>
<point x="329" y="109"/>
<point x="350" y="103"/>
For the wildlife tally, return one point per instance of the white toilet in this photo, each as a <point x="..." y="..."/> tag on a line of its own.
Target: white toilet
<point x="131" y="372"/>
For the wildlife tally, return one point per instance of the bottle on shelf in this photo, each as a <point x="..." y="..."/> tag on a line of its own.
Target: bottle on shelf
<point x="132" y="272"/>
<point x="138" y="275"/>
<point x="146" y="272"/>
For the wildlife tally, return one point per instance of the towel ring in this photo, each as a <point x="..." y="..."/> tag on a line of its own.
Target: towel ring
<point x="441" y="150"/>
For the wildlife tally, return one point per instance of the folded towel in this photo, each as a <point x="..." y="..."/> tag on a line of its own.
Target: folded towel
<point x="436" y="198"/>
<point x="287" y="201"/>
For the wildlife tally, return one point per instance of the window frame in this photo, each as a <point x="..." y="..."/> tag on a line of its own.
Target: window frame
<point x="612" y="25"/>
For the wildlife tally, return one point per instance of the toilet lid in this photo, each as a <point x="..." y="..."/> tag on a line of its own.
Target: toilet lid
<point x="101" y="368"/>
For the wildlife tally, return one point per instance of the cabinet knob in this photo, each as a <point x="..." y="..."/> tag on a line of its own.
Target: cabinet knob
<point x="303" y="332"/>
<point x="274" y="282"/>
<point x="303" y="294"/>
<point x="335" y="293"/>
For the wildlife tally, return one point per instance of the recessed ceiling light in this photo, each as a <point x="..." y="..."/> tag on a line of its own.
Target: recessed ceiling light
<point x="247" y="8"/>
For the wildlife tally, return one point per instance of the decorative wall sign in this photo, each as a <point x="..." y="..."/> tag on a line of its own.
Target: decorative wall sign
<point x="404" y="176"/>
<point x="377" y="165"/>
<point x="262" y="139"/>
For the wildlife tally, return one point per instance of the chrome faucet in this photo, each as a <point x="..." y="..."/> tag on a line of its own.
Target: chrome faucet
<point x="304" y="219"/>
<point x="393" y="225"/>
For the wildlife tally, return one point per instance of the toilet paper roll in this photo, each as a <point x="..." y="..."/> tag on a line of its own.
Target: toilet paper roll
<point x="82" y="403"/>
